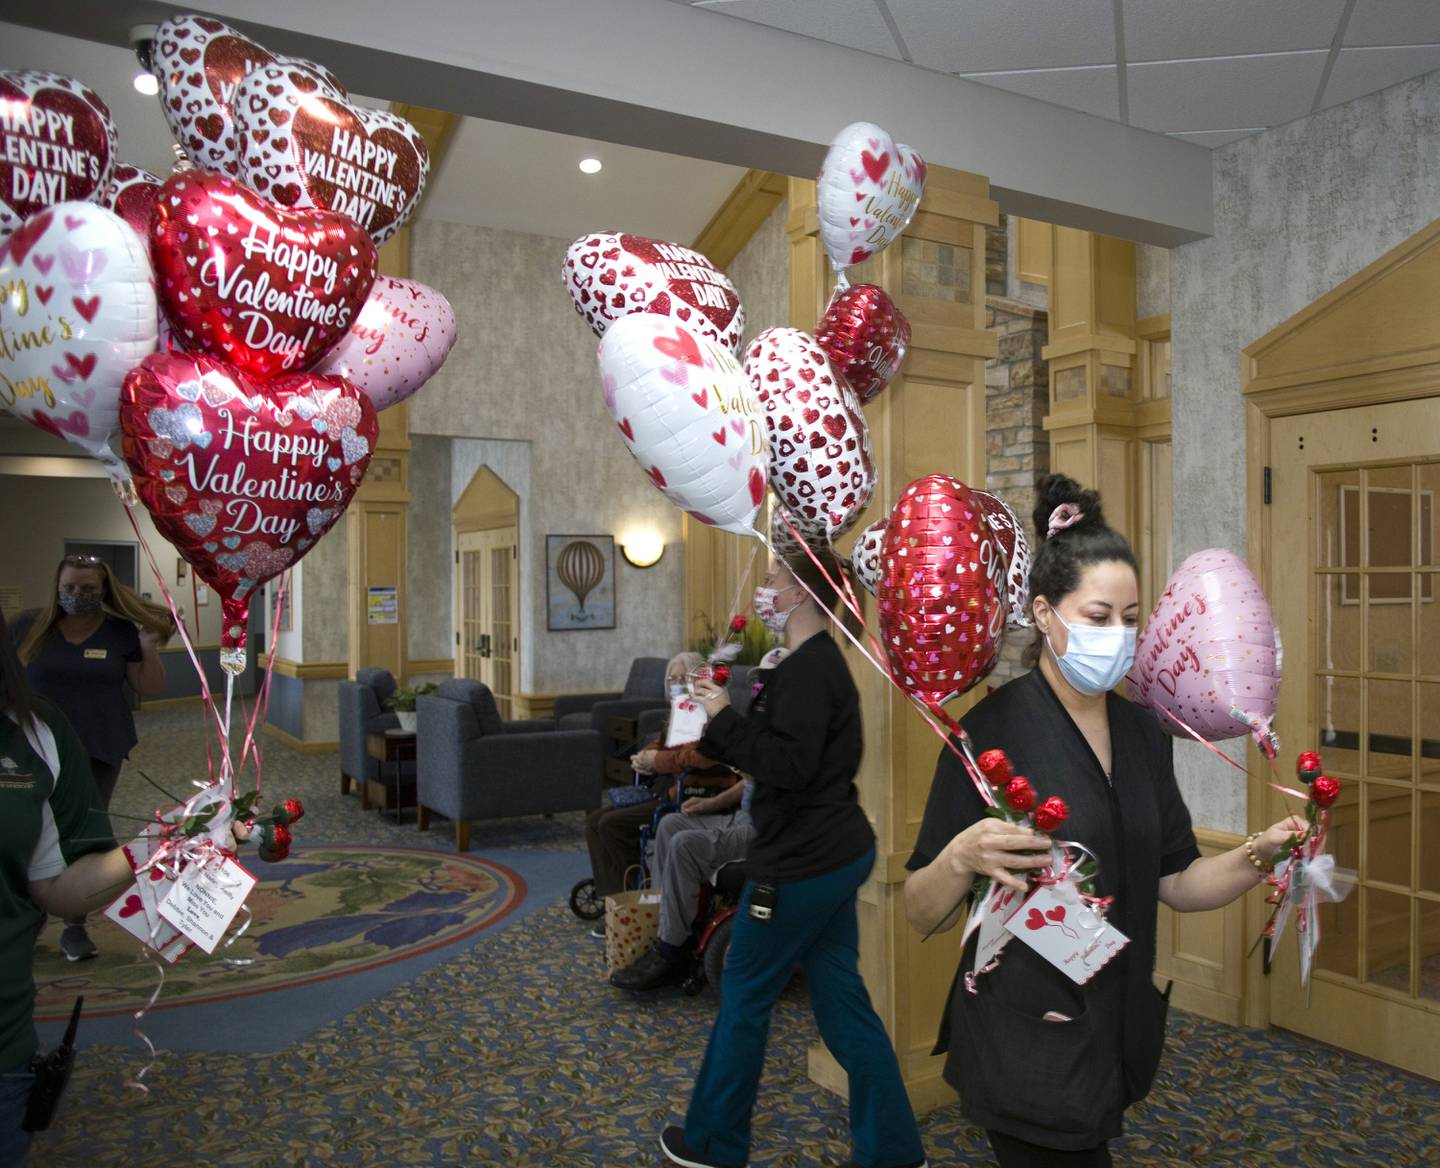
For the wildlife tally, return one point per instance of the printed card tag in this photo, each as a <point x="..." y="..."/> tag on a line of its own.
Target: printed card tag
<point x="205" y="900"/>
<point x="999" y="905"/>
<point x="128" y="912"/>
<point x="1058" y="926"/>
<point x="687" y="721"/>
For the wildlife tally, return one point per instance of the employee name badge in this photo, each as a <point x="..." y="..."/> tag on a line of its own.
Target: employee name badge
<point x="205" y="900"/>
<point x="1058" y="925"/>
<point x="96" y="654"/>
<point x="687" y="720"/>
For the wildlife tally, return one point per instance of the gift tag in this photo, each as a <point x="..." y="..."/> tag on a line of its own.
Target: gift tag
<point x="687" y="721"/>
<point x="999" y="905"/>
<point x="1058" y="926"/>
<point x="205" y="900"/>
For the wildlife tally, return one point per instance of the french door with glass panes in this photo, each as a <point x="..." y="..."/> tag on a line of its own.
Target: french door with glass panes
<point x="1356" y="591"/>
<point x="487" y="599"/>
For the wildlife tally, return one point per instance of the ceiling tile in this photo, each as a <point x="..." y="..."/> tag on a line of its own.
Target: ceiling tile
<point x="1214" y="138"/>
<point x="856" y="24"/>
<point x="1180" y="96"/>
<point x="1162" y="30"/>
<point x="1394" y="22"/>
<point x="1091" y="90"/>
<point x="972" y="36"/>
<point x="1361" y="71"/>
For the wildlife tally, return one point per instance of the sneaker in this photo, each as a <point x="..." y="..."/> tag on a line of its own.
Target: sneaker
<point x="649" y="971"/>
<point x="598" y="932"/>
<point x="677" y="1151"/>
<point x="75" y="943"/>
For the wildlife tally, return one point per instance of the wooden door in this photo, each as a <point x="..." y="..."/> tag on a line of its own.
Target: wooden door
<point x="487" y="590"/>
<point x="1357" y="597"/>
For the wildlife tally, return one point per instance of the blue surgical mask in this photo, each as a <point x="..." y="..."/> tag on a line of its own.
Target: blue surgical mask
<point x="79" y="603"/>
<point x="1096" y="657"/>
<point x="677" y="691"/>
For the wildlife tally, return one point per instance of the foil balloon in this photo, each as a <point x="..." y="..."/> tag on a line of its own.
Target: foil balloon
<point x="57" y="144"/>
<point x="266" y="290"/>
<point x="1210" y="653"/>
<point x="865" y="555"/>
<point x="866" y="337"/>
<point x="131" y="194"/>
<point x="400" y="339"/>
<point x="869" y="188"/>
<point x="820" y="465"/>
<point x="611" y="276"/>
<point x="302" y="144"/>
<point x="940" y="616"/>
<point x="684" y="408"/>
<point x="1013" y="565"/>
<point x="77" y="313"/>
<point x="242" y="476"/>
<point x="200" y="62"/>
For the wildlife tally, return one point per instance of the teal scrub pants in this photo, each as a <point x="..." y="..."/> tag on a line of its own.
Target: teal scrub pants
<point x="814" y="925"/>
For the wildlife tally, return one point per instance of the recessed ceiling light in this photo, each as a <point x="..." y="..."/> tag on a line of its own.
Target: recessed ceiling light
<point x="590" y="165"/>
<point x="147" y="84"/>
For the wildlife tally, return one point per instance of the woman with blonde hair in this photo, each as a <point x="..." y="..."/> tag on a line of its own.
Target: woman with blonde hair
<point x="93" y="637"/>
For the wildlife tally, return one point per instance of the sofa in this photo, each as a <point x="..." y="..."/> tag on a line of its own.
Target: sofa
<point x="471" y="764"/>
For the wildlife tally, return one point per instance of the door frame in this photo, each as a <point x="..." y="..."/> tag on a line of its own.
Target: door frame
<point x="488" y="538"/>
<point x="1366" y="342"/>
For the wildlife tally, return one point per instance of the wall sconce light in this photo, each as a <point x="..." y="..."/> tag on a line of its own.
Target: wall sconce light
<point x="643" y="549"/>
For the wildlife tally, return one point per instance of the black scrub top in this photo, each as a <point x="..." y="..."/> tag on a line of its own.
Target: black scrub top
<point x="1065" y="1085"/>
<point x="87" y="682"/>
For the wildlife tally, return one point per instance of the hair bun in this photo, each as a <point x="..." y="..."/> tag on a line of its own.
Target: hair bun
<point x="1056" y="490"/>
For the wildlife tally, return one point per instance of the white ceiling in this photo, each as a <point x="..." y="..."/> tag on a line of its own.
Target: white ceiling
<point x="1209" y="71"/>
<point x="494" y="175"/>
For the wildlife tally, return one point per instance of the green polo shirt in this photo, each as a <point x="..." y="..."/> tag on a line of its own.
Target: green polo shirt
<point x="37" y="805"/>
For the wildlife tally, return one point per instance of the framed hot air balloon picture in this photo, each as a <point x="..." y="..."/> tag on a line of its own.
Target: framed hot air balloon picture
<point x="580" y="582"/>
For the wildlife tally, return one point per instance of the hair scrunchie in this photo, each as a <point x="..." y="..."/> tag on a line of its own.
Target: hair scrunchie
<point x="1065" y="515"/>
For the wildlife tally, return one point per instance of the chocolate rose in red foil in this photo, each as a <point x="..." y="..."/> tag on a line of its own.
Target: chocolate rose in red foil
<point x="940" y="615"/>
<point x="866" y="337"/>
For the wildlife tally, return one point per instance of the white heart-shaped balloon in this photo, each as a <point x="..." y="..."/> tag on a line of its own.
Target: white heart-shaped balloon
<point x="865" y="555"/>
<point x="400" y="339"/>
<point x="868" y="191"/>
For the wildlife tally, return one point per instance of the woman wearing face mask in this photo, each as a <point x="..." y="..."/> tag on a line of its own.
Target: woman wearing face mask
<point x="1047" y="1066"/>
<point x="811" y="851"/>
<point x="94" y="637"/>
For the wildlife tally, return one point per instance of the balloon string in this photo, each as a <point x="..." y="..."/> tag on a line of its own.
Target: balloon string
<point x="262" y="699"/>
<point x="723" y="633"/>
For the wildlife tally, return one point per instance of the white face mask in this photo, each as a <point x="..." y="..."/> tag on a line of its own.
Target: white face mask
<point x="1096" y="658"/>
<point x="770" y="616"/>
<point x="677" y="691"/>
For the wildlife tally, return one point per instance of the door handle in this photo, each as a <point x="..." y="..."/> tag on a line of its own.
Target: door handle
<point x="483" y="648"/>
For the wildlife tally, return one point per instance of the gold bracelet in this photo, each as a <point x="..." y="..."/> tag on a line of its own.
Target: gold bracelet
<point x="1261" y="867"/>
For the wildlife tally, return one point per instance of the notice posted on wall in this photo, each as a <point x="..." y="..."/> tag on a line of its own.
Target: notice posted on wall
<point x="382" y="604"/>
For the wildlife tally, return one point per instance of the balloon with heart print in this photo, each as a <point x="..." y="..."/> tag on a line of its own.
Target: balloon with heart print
<point x="820" y="465"/>
<point x="200" y="62"/>
<point x="57" y="144"/>
<point x="1210" y="653"/>
<point x="77" y="313"/>
<point x="866" y="337"/>
<point x="131" y="194"/>
<point x="242" y="476"/>
<point x="301" y="144"/>
<point x="865" y="554"/>
<point x="610" y="276"/>
<point x="267" y="290"/>
<point x="868" y="190"/>
<point x="399" y="341"/>
<point x="1014" y="563"/>
<point x="684" y="407"/>
<point x="940" y="616"/>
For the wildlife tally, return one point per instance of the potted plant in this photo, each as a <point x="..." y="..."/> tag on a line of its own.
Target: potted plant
<point x="402" y="701"/>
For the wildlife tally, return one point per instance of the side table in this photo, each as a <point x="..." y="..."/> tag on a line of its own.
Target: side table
<point x="393" y="747"/>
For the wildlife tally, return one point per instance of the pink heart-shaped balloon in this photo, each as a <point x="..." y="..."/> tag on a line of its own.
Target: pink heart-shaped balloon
<point x="266" y="290"/>
<point x="402" y="336"/>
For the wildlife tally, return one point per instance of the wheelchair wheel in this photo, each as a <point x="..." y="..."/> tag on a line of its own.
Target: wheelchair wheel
<point x="715" y="949"/>
<point x="584" y="903"/>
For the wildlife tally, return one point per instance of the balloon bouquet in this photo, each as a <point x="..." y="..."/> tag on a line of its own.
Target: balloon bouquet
<point x="252" y="270"/>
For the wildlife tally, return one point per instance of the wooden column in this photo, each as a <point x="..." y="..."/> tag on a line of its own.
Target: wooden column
<point x="930" y="420"/>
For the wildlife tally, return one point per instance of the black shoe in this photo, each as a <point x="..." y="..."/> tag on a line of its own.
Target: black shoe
<point x="649" y="971"/>
<point x="677" y="1151"/>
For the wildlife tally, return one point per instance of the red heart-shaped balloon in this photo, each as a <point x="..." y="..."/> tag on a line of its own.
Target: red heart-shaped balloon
<point x="940" y="613"/>
<point x="1034" y="920"/>
<point x="1056" y="914"/>
<point x="866" y="336"/>
<point x="265" y="290"/>
<point x="131" y="194"/>
<point x="242" y="476"/>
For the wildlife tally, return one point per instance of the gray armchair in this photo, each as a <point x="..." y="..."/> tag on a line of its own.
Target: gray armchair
<point x="644" y="690"/>
<point x="362" y="712"/>
<point x="473" y="765"/>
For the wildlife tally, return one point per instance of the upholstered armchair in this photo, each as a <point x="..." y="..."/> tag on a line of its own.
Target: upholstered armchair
<point x="362" y="712"/>
<point x="644" y="690"/>
<point x="474" y="765"/>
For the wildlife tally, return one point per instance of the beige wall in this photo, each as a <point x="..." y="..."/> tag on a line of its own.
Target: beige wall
<point x="429" y="595"/>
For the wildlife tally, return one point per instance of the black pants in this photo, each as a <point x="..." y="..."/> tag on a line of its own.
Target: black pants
<point x="1013" y="1153"/>
<point x="613" y="837"/>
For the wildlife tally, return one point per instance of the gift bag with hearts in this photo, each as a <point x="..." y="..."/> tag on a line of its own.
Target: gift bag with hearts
<point x="632" y="924"/>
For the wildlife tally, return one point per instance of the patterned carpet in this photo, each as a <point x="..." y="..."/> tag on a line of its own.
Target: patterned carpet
<point x="515" y="1052"/>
